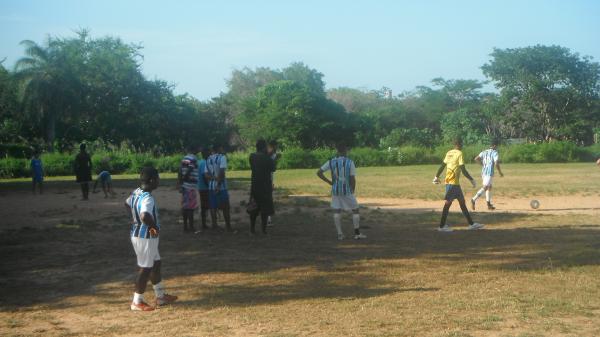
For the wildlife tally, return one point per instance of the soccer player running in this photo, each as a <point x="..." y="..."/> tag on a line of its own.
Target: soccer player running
<point x="187" y="181"/>
<point x="144" y="238"/>
<point x="488" y="159"/>
<point x="454" y="164"/>
<point x="216" y="165"/>
<point x="343" y="185"/>
<point x="272" y="152"/>
<point x="105" y="180"/>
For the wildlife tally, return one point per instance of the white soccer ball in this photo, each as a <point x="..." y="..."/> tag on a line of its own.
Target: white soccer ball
<point x="534" y="204"/>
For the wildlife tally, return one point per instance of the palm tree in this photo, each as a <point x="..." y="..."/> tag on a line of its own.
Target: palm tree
<point x="38" y="75"/>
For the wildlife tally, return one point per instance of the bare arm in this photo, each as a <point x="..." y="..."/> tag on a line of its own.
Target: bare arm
<point x="352" y="184"/>
<point x="478" y="159"/>
<point x="148" y="220"/>
<point x="499" y="170"/>
<point x="323" y="177"/>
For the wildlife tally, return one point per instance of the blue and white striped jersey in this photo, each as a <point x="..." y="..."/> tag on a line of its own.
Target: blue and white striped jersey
<point x="489" y="158"/>
<point x="342" y="168"/>
<point x="214" y="164"/>
<point x="141" y="201"/>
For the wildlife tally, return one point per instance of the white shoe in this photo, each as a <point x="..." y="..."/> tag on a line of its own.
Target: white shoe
<point x="359" y="236"/>
<point x="340" y="237"/>
<point x="475" y="226"/>
<point x="446" y="228"/>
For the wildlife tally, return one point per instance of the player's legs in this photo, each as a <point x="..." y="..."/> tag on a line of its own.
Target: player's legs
<point x="337" y="221"/>
<point x="488" y="198"/>
<point x="445" y="211"/>
<point x="105" y="189"/>
<point x="253" y="216"/>
<point x="41" y="183"/>
<point x="191" y="219"/>
<point x="356" y="224"/>
<point x="223" y="204"/>
<point x="85" y="189"/>
<point x="465" y="211"/>
<point x="33" y="183"/>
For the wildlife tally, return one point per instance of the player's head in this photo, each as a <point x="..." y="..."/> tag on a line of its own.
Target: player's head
<point x="272" y="146"/>
<point x="458" y="143"/>
<point x="494" y="143"/>
<point x="217" y="148"/>
<point x="261" y="145"/>
<point x="82" y="147"/>
<point x="341" y="148"/>
<point x="205" y="152"/>
<point x="149" y="178"/>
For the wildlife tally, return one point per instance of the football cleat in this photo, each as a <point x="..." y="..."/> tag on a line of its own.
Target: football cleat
<point x="445" y="228"/>
<point x="475" y="225"/>
<point x="166" y="299"/>
<point x="142" y="306"/>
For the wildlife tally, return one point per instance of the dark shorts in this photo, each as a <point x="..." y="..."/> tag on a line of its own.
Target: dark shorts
<point x="218" y="200"/>
<point x="454" y="192"/>
<point x="204" y="202"/>
<point x="37" y="178"/>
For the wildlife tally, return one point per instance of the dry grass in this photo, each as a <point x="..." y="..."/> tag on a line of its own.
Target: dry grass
<point x="525" y="275"/>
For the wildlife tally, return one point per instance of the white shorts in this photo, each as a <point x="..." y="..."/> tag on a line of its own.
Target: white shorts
<point x="345" y="202"/>
<point x="146" y="251"/>
<point x="487" y="180"/>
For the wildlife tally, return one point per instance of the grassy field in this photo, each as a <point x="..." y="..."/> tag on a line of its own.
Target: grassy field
<point x="527" y="274"/>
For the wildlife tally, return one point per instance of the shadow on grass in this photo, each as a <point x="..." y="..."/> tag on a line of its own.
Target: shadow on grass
<point x="44" y="266"/>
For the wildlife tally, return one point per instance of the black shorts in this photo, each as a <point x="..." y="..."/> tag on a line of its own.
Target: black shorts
<point x="454" y="192"/>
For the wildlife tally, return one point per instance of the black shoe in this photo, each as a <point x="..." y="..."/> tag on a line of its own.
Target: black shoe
<point x="491" y="207"/>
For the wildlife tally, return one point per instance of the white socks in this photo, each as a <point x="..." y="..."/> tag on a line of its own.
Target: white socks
<point x="337" y="220"/>
<point x="138" y="298"/>
<point x="488" y="196"/>
<point x="356" y="220"/>
<point x="159" y="290"/>
<point x="479" y="194"/>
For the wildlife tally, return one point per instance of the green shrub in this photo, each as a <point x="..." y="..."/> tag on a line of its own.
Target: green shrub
<point x="238" y="161"/>
<point x="294" y="157"/>
<point x="14" y="168"/>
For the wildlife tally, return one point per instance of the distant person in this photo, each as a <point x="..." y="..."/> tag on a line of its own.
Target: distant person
<point x="488" y="159"/>
<point x="343" y="186"/>
<point x="598" y="162"/>
<point x="261" y="187"/>
<point x="144" y="234"/>
<point x="187" y="181"/>
<point x="454" y="165"/>
<point x="37" y="172"/>
<point x="105" y="180"/>
<point x="272" y="152"/>
<point x="203" y="187"/>
<point x="83" y="171"/>
<point x="215" y="173"/>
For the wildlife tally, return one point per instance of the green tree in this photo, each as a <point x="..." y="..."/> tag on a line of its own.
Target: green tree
<point x="549" y="86"/>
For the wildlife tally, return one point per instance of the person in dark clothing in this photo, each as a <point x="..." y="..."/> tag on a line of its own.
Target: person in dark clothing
<point x="261" y="188"/>
<point x="83" y="171"/>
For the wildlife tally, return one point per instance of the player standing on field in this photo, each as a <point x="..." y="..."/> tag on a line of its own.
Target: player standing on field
<point x="454" y="164"/>
<point x="216" y="165"/>
<point x="144" y="238"/>
<point x="203" y="187"/>
<point x="37" y="172"/>
<point x="343" y="185"/>
<point x="488" y="159"/>
<point x="187" y="181"/>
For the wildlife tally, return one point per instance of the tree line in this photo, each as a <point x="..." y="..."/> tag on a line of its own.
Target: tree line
<point x="80" y="88"/>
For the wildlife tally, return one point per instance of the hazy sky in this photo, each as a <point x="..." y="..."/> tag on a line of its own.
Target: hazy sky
<point x="359" y="44"/>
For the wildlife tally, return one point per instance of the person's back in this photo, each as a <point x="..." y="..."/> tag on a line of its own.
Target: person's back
<point x="262" y="167"/>
<point x="342" y="168"/>
<point x="215" y="163"/>
<point x="202" y="183"/>
<point x="141" y="201"/>
<point x="489" y="158"/>
<point x="189" y="172"/>
<point x="453" y="160"/>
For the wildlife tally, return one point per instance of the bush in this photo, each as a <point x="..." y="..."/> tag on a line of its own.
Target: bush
<point x="127" y="162"/>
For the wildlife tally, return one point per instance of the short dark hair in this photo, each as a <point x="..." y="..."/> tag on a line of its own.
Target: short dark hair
<point x="82" y="146"/>
<point x="341" y="147"/>
<point x="458" y="141"/>
<point x="148" y="173"/>
<point x="205" y="152"/>
<point x="261" y="145"/>
<point x="495" y="142"/>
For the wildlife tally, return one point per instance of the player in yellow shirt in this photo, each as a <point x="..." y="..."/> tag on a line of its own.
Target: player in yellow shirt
<point x="455" y="165"/>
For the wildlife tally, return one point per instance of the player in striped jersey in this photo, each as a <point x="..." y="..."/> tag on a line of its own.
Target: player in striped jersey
<point x="144" y="238"/>
<point x="216" y="165"/>
<point x="343" y="185"/>
<point x="488" y="159"/>
<point x="187" y="181"/>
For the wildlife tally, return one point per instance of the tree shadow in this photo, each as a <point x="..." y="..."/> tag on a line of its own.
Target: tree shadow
<point x="44" y="266"/>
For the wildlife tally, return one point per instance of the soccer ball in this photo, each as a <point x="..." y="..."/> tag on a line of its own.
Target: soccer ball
<point x="534" y="204"/>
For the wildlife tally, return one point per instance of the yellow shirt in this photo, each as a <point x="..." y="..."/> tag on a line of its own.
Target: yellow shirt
<point x="453" y="161"/>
